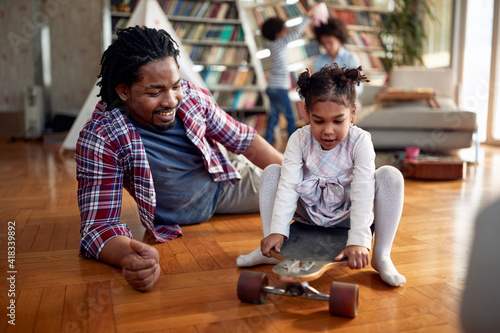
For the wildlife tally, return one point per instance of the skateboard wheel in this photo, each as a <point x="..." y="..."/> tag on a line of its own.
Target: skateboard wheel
<point x="251" y="287"/>
<point x="344" y="299"/>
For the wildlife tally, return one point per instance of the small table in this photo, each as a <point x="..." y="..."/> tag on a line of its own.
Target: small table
<point x="434" y="168"/>
<point x="394" y="94"/>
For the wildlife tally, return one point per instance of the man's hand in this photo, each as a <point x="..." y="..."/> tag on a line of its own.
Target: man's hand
<point x="358" y="256"/>
<point x="141" y="267"/>
<point x="140" y="262"/>
<point x="272" y="241"/>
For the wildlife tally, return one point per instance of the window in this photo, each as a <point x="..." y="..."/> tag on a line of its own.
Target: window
<point x="437" y="48"/>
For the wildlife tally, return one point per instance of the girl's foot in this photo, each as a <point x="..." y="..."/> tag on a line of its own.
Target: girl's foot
<point x="255" y="258"/>
<point x="388" y="272"/>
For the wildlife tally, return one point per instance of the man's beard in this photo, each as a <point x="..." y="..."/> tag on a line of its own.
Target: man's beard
<point x="170" y="125"/>
<point x="166" y="127"/>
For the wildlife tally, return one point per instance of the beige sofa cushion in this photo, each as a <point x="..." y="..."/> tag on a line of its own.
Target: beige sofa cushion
<point x="419" y="118"/>
<point x="442" y="80"/>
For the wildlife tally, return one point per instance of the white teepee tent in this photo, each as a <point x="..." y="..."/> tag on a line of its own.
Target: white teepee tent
<point x="147" y="13"/>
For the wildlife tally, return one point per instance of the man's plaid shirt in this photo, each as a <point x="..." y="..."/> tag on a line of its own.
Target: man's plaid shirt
<point x="110" y="156"/>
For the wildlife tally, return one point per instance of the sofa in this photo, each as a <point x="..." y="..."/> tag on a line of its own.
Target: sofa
<point x="395" y="125"/>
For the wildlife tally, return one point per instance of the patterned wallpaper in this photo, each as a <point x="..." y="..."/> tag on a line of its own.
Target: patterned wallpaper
<point x="16" y="52"/>
<point x="75" y="50"/>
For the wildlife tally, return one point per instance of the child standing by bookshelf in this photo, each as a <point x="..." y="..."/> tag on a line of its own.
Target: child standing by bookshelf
<point x="273" y="29"/>
<point x="332" y="35"/>
<point x="328" y="178"/>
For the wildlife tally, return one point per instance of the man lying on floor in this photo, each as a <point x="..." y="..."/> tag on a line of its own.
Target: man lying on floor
<point x="165" y="141"/>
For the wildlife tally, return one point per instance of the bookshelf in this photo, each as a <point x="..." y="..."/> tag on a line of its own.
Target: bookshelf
<point x="120" y="14"/>
<point x="363" y="19"/>
<point x="300" y="52"/>
<point x="220" y="43"/>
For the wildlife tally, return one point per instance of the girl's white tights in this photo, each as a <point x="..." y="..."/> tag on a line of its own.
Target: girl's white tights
<point x="267" y="193"/>
<point x="388" y="206"/>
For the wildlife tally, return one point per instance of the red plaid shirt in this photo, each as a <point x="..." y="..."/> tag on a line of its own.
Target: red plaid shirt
<point x="110" y="156"/>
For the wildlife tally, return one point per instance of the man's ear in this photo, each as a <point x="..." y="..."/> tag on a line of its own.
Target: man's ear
<point x="123" y="91"/>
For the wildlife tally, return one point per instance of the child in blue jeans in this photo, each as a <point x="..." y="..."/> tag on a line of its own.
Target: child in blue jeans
<point x="274" y="31"/>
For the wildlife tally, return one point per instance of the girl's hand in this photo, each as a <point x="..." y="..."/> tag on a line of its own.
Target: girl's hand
<point x="272" y="241"/>
<point x="358" y="256"/>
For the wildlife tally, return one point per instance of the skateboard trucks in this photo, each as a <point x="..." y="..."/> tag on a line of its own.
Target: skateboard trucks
<point x="253" y="287"/>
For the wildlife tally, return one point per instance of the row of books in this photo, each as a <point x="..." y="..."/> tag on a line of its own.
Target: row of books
<point x="308" y="50"/>
<point x="237" y="100"/>
<point x="362" y="38"/>
<point x="209" y="32"/>
<point x="236" y="77"/>
<point x="220" y="55"/>
<point x="229" y="55"/>
<point x="201" y="9"/>
<point x="358" y="18"/>
<point x="256" y="121"/>
<point x="259" y="15"/>
<point x="120" y="23"/>
<point x="369" y="61"/>
<point x="364" y="3"/>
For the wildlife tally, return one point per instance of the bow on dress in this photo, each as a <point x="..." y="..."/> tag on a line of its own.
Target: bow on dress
<point x="325" y="201"/>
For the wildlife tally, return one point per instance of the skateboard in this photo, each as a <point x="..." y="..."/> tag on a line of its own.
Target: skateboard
<point x="305" y="256"/>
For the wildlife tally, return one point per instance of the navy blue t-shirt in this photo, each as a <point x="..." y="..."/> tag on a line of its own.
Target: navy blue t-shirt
<point x="185" y="191"/>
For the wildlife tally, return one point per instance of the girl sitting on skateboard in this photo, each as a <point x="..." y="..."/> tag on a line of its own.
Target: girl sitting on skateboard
<point x="328" y="178"/>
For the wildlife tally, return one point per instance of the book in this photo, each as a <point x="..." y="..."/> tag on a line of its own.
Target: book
<point x="178" y="7"/>
<point x="203" y="9"/>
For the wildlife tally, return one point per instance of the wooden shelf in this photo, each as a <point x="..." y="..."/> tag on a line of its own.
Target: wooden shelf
<point x="213" y="55"/>
<point x="363" y="24"/>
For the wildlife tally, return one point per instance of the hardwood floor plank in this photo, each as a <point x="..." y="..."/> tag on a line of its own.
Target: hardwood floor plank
<point x="59" y="238"/>
<point x="74" y="236"/>
<point x="22" y="218"/>
<point x="203" y="286"/>
<point x="196" y="314"/>
<point x="183" y="256"/>
<point x="42" y="239"/>
<point x="168" y="263"/>
<point x="100" y="308"/>
<point x="75" y="312"/>
<point x="216" y="327"/>
<point x="27" y="307"/>
<point x="239" y="243"/>
<point x="217" y="252"/>
<point x="440" y="304"/>
<point x="200" y="254"/>
<point x="26" y="238"/>
<point x="184" y="329"/>
<point x="50" y="311"/>
<point x="55" y="214"/>
<point x="170" y="301"/>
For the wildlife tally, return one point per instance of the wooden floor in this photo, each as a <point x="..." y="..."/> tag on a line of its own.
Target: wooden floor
<point x="56" y="291"/>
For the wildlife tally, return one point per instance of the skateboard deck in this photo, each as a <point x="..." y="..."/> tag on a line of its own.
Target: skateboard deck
<point x="309" y="251"/>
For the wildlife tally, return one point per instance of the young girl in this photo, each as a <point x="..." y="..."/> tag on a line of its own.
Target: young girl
<point x="328" y="178"/>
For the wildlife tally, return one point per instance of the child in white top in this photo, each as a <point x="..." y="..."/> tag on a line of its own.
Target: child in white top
<point x="328" y="178"/>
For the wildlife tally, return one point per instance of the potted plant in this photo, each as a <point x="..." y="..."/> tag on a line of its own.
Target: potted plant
<point x="404" y="34"/>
